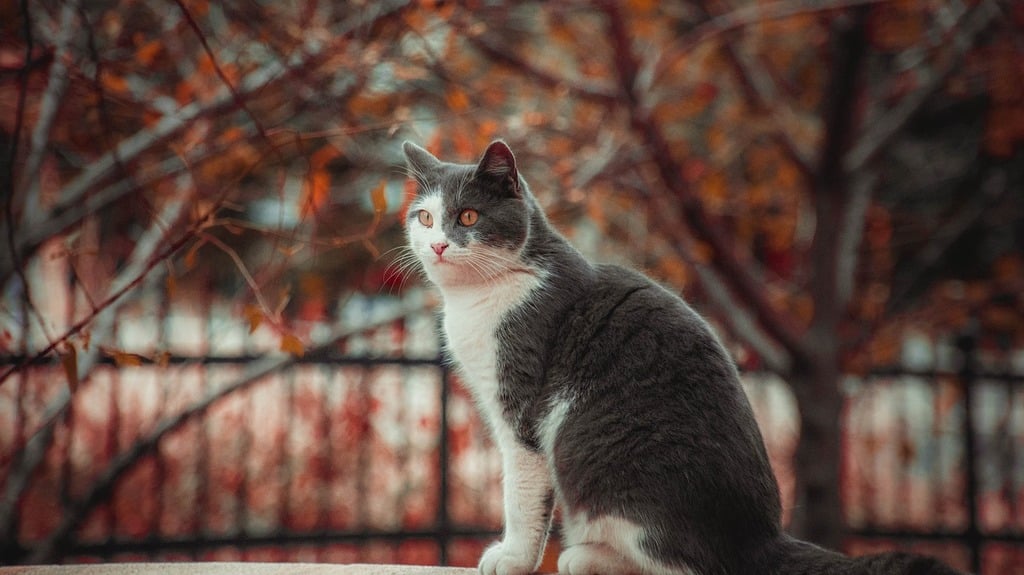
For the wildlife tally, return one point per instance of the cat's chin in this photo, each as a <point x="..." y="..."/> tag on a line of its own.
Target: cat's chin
<point x="445" y="273"/>
<point x="451" y="275"/>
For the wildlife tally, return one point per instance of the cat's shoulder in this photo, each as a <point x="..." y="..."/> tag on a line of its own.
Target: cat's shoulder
<point x="617" y="278"/>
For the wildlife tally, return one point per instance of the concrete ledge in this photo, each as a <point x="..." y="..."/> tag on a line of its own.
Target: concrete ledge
<point x="213" y="568"/>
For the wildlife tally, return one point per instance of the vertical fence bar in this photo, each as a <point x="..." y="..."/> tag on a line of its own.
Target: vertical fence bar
<point x="967" y="344"/>
<point x="443" y="517"/>
<point x="202" y="508"/>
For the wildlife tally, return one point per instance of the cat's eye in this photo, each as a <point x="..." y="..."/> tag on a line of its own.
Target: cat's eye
<point x="468" y="217"/>
<point x="426" y="219"/>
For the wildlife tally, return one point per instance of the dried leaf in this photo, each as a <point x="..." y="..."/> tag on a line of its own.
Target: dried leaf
<point x="292" y="345"/>
<point x="317" y="190"/>
<point x="163" y="359"/>
<point x="190" y="256"/>
<point x="324" y="155"/>
<point x="114" y="83"/>
<point x="123" y="358"/>
<point x="147" y="53"/>
<point x="254" y="315"/>
<point x="379" y="197"/>
<point x="171" y="285"/>
<point x="69" y="361"/>
<point x="457" y="99"/>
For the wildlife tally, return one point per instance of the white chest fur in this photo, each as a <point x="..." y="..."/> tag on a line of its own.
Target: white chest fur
<point x="471" y="319"/>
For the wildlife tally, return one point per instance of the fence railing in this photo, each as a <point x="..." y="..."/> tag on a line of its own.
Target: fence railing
<point x="349" y="457"/>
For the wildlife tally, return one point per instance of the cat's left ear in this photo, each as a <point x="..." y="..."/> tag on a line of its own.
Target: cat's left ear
<point x="498" y="164"/>
<point x="419" y="160"/>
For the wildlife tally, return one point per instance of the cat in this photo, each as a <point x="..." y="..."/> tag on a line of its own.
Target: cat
<point x="606" y="394"/>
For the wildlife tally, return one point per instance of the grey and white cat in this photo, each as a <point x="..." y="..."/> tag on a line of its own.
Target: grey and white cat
<point x="607" y="395"/>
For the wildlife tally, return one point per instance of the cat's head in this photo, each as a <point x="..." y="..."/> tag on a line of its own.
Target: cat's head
<point x="468" y="223"/>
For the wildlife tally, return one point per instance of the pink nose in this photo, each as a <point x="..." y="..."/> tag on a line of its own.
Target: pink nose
<point x="439" y="247"/>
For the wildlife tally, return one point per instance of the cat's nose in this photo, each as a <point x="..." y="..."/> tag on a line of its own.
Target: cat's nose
<point x="439" y="247"/>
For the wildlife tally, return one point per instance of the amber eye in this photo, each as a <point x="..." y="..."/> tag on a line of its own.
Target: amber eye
<point x="468" y="217"/>
<point x="426" y="219"/>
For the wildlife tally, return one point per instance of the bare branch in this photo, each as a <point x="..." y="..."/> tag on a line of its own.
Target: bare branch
<point x="75" y="193"/>
<point x="238" y="99"/>
<point x="850" y="233"/>
<point x="48" y="550"/>
<point x="876" y="136"/>
<point x="735" y="273"/>
<point x="28" y="186"/>
<point x="10" y="259"/>
<point x="992" y="189"/>
<point x="756" y="14"/>
<point x="543" y="77"/>
<point x="762" y="93"/>
<point x="739" y="320"/>
<point x="144" y="258"/>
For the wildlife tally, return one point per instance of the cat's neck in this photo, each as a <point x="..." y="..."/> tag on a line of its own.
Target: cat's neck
<point x="514" y="280"/>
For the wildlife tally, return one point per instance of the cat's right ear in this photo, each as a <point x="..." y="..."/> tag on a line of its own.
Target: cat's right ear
<point x="419" y="160"/>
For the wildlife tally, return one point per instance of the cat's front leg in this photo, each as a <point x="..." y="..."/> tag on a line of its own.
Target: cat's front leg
<point x="528" y="506"/>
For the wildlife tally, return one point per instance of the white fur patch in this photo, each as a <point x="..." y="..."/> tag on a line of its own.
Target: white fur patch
<point x="479" y="285"/>
<point x="620" y="535"/>
<point x="471" y="319"/>
<point x="552" y="424"/>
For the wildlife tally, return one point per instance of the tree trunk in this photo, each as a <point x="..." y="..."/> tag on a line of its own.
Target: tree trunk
<point x="817" y="514"/>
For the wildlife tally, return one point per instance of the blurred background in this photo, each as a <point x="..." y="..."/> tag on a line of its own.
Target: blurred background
<point x="206" y="352"/>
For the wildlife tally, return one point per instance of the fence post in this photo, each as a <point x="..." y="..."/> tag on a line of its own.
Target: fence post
<point x="967" y="344"/>
<point x="443" y="519"/>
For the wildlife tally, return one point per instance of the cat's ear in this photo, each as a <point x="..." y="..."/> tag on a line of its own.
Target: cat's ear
<point x="499" y="164"/>
<point x="419" y="160"/>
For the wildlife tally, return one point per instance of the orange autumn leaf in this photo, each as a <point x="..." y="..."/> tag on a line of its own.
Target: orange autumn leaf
<point x="457" y="99"/>
<point x="324" y="155"/>
<point x="316" y="191"/>
<point x="171" y="286"/>
<point x="114" y="83"/>
<point x="123" y="358"/>
<point x="69" y="361"/>
<point x="147" y="53"/>
<point x="292" y="345"/>
<point x="254" y="315"/>
<point x="379" y="197"/>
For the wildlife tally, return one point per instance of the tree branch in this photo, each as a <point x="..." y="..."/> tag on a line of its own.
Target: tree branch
<point x="762" y="93"/>
<point x="741" y="323"/>
<point x="49" y="549"/>
<point x="75" y="192"/>
<point x="880" y="132"/>
<point x="27" y="190"/>
<point x="758" y="13"/>
<point x="237" y="98"/>
<point x="830" y="185"/>
<point x="543" y="77"/>
<point x="144" y="258"/>
<point x="850" y="234"/>
<point x="670" y="172"/>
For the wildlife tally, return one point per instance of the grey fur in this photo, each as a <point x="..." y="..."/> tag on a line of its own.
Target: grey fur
<point x="659" y="431"/>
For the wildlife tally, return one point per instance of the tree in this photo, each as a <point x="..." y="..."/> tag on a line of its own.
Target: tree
<point x="760" y="154"/>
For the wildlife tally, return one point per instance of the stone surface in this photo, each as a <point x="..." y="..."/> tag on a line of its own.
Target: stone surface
<point x="231" y="569"/>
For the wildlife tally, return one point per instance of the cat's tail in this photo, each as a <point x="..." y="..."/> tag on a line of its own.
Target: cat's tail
<point x="789" y="556"/>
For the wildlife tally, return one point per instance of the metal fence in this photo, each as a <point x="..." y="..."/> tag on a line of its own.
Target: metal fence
<point x="370" y="451"/>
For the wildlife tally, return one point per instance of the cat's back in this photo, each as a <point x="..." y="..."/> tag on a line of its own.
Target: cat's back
<point x="625" y="320"/>
<point x="649" y="391"/>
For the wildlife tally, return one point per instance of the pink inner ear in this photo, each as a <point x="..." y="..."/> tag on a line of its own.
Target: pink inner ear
<point x="498" y="160"/>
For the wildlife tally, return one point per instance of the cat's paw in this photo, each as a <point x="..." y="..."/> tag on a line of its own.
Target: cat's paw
<point x="504" y="559"/>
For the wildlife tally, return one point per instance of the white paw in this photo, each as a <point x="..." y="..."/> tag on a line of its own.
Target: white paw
<point x="504" y="559"/>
